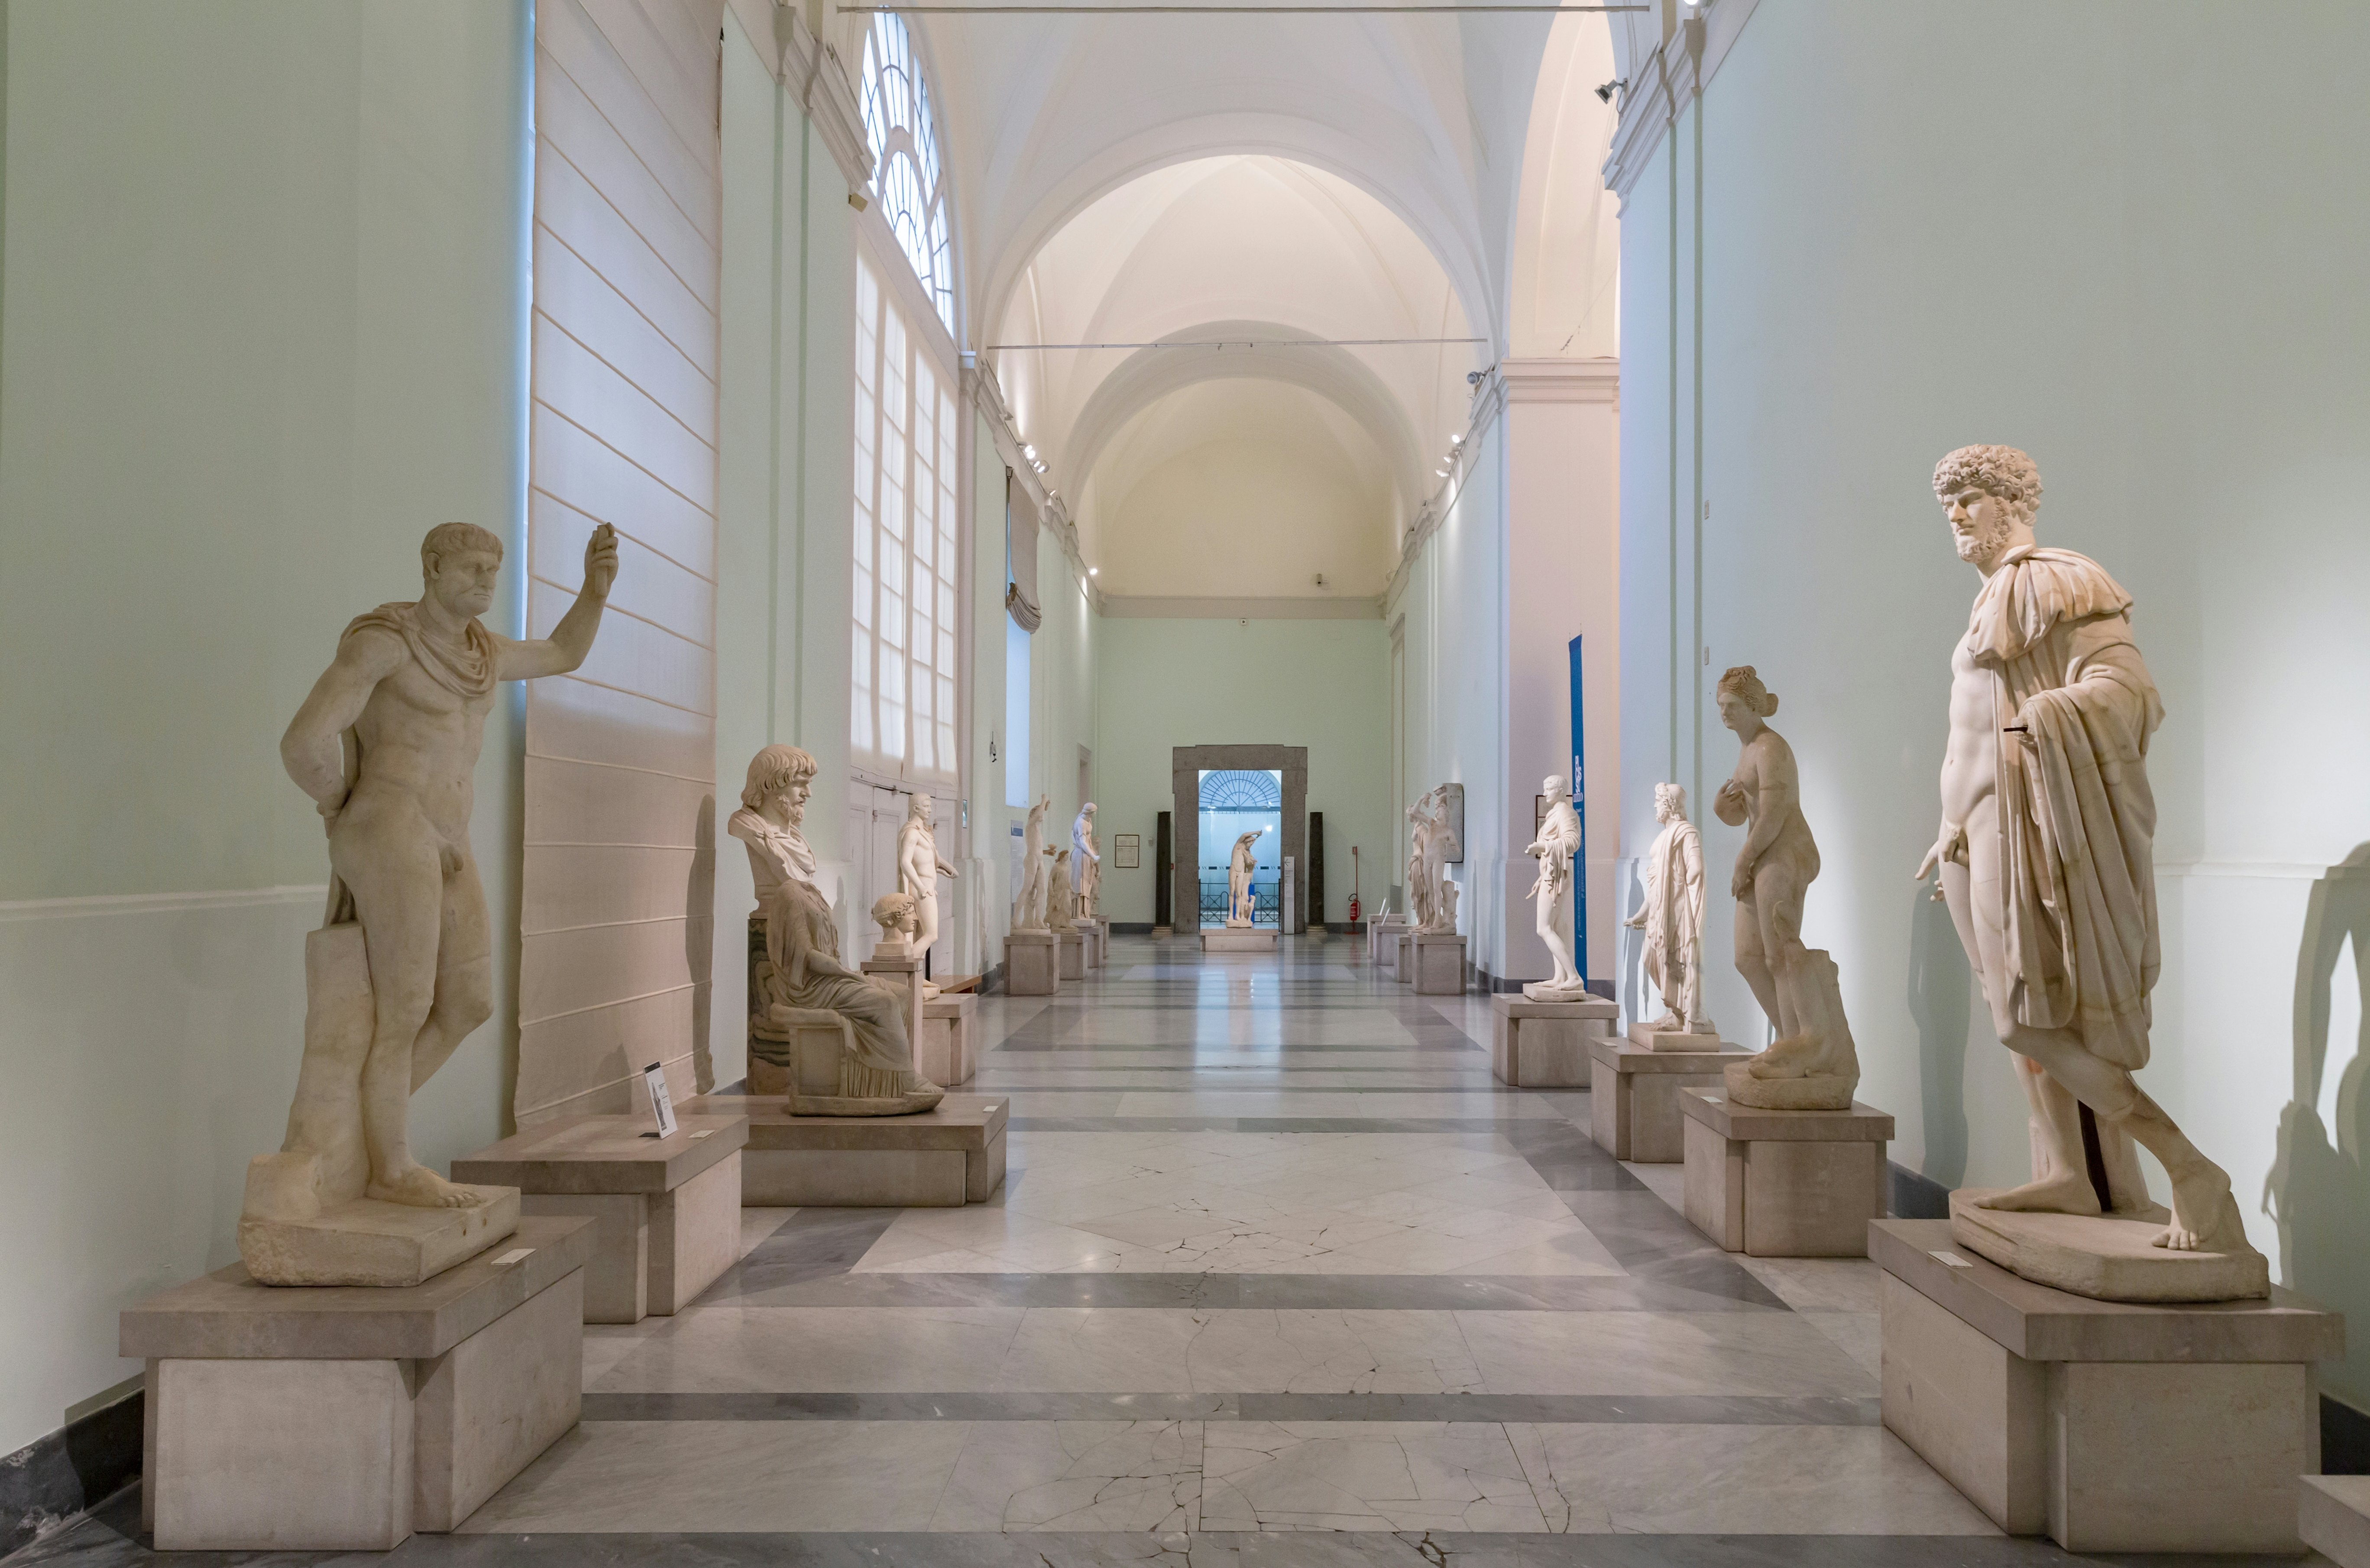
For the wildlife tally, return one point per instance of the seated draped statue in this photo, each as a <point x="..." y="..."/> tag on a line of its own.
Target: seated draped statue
<point x="850" y="1051"/>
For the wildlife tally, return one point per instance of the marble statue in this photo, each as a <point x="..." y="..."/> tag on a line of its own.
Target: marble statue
<point x="1813" y="1064"/>
<point x="1241" y="866"/>
<point x="918" y="870"/>
<point x="1086" y="862"/>
<point x="1673" y="915"/>
<point x="869" y="1067"/>
<point x="893" y="914"/>
<point x="1029" y="909"/>
<point x="772" y="807"/>
<point x="1061" y="903"/>
<point x="402" y="969"/>
<point x="2044" y="856"/>
<point x="1432" y="896"/>
<point x="1555" y="848"/>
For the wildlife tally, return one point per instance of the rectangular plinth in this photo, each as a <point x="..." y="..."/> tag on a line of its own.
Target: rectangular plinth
<point x="2152" y="1439"/>
<point x="666" y="1210"/>
<point x="1647" y="1037"/>
<point x="1073" y="946"/>
<point x="1543" y="1045"/>
<point x="938" y="1158"/>
<point x="1439" y="963"/>
<point x="1238" y="939"/>
<point x="1032" y="964"/>
<point x="1783" y="1184"/>
<point x="1634" y="1096"/>
<point x="304" y="1419"/>
<point x="1383" y="944"/>
<point x="948" y="1051"/>
<point x="2333" y="1516"/>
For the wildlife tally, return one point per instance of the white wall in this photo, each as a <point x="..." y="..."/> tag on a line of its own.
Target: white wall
<point x="1322" y="684"/>
<point x="264" y="327"/>
<point x="2132" y="249"/>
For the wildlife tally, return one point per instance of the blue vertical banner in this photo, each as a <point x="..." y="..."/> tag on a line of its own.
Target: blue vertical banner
<point x="1580" y="805"/>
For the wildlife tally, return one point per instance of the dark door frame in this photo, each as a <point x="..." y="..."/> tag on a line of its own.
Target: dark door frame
<point x="1187" y="764"/>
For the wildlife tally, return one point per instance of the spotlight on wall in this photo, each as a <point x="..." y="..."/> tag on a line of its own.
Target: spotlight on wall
<point x="1093" y="571"/>
<point x="1029" y="452"/>
<point x="1605" y="93"/>
<point x="1473" y="378"/>
<point x="1457" y="440"/>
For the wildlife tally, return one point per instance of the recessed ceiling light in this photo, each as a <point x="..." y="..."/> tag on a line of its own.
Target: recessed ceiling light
<point x="1093" y="571"/>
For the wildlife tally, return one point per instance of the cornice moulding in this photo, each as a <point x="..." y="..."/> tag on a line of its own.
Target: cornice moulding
<point x="1135" y="606"/>
<point x="1562" y="380"/>
<point x="813" y="73"/>
<point x="1663" y="84"/>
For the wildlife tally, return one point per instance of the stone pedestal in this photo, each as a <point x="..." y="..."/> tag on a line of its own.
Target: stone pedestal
<point x="1032" y="964"/>
<point x="2333" y="1516"/>
<point x="935" y="1159"/>
<point x="2112" y="1426"/>
<point x="1634" y="1095"/>
<point x="2111" y="1257"/>
<point x="1073" y="946"/>
<point x="1383" y="942"/>
<point x="1238" y="939"/>
<point x="666" y="1211"/>
<point x="344" y="1418"/>
<point x="903" y="971"/>
<point x="1784" y="1184"/>
<point x="948" y="1051"/>
<point x="1543" y="1045"/>
<point x="1439" y="963"/>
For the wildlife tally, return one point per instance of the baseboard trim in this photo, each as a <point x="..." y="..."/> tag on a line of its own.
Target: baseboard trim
<point x="1917" y="1196"/>
<point x="1130" y="928"/>
<point x="53" y="1481"/>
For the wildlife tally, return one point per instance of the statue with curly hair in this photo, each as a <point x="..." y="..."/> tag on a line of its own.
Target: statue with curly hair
<point x="2044" y="856"/>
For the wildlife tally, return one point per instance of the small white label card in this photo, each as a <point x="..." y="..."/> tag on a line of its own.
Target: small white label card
<point x="655" y="1076"/>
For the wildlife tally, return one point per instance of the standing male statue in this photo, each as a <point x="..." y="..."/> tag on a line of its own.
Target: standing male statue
<point x="918" y="870"/>
<point x="1086" y="864"/>
<point x="1673" y="917"/>
<point x="2044" y="856"/>
<point x="1558" y="843"/>
<point x="1029" y="909"/>
<point x="1241" y="866"/>
<point x="386" y="745"/>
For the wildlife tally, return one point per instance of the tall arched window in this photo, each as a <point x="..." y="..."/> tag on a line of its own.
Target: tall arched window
<point x="906" y="172"/>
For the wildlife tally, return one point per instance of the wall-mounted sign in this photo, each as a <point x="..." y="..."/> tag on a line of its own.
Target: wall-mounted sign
<point x="1127" y="851"/>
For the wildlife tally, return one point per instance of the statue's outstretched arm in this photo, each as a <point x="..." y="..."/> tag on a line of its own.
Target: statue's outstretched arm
<point x="572" y="640"/>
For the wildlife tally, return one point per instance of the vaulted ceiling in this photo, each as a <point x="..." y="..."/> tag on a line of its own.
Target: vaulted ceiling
<point x="1292" y="181"/>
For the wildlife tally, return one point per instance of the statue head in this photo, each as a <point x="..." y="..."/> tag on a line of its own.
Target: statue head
<point x="1671" y="800"/>
<point x="894" y="914"/>
<point x="1989" y="493"/>
<point x="458" y="563"/>
<point x="1744" y="702"/>
<point x="921" y="808"/>
<point x="1553" y="787"/>
<point x="1087" y="810"/>
<point x="779" y="773"/>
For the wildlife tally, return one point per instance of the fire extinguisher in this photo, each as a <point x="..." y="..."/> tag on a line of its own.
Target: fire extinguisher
<point x="1353" y="884"/>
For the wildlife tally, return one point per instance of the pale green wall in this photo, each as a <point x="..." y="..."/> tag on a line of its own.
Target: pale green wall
<point x="263" y="327"/>
<point x="1064" y="664"/>
<point x="985" y="892"/>
<point x="2133" y="251"/>
<point x="1322" y="684"/>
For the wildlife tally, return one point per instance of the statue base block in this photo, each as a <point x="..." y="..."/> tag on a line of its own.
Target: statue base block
<point x="344" y="1420"/>
<point x="1032" y="964"/>
<point x="1439" y="963"/>
<point x="2110" y="1257"/>
<point x="1239" y="939"/>
<point x="939" y="1159"/>
<point x="948" y="1051"/>
<point x="1633" y="1107"/>
<point x="1647" y="1037"/>
<point x="392" y="1245"/>
<point x="2333" y="1516"/>
<point x="1817" y="1092"/>
<point x="1784" y="1184"/>
<point x="2113" y="1427"/>
<point x="1544" y="1044"/>
<point x="1073" y="946"/>
<point x="1383" y="942"/>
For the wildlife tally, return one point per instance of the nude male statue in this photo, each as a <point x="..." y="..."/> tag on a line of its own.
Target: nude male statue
<point x="1242" y="865"/>
<point x="918" y="870"/>
<point x="1556" y="844"/>
<point x="412" y="684"/>
<point x="2043" y="853"/>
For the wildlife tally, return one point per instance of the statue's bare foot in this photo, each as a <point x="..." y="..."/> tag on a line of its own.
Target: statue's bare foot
<point x="421" y="1188"/>
<point x="2204" y="1216"/>
<point x="1797" y="1055"/>
<point x="2050" y="1195"/>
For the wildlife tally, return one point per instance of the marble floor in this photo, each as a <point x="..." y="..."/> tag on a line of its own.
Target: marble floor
<point x="1280" y="1278"/>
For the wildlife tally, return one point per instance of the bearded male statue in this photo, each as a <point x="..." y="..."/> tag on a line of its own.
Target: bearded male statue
<point x="2043" y="856"/>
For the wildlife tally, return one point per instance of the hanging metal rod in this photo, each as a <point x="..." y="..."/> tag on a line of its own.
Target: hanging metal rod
<point x="1216" y="10"/>
<point x="1245" y="343"/>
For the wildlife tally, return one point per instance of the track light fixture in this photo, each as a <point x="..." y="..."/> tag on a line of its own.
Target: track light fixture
<point x="1605" y="93"/>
